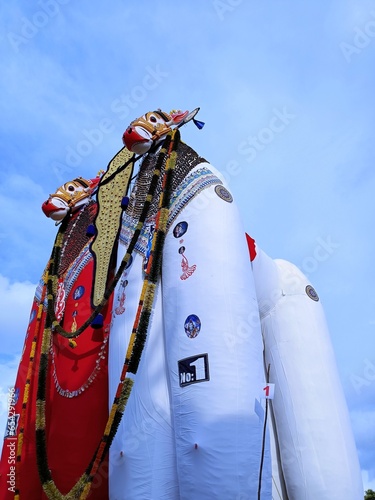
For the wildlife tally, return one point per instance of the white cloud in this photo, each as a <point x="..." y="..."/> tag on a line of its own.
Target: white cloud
<point x="15" y="306"/>
<point x="26" y="236"/>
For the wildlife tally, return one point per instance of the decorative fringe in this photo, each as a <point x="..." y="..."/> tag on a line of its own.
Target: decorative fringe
<point x="198" y="124"/>
<point x="97" y="322"/>
<point x="90" y="231"/>
<point x="125" y="202"/>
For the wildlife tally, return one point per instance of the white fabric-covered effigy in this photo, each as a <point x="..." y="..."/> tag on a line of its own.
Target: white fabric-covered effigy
<point x="190" y="429"/>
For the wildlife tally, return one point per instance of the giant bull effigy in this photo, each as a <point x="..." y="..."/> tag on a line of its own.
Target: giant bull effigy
<point x="167" y="356"/>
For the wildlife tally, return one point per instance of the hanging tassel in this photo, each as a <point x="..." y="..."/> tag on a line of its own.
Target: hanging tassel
<point x="198" y="124"/>
<point x="90" y="231"/>
<point x="97" y="322"/>
<point x="125" y="202"/>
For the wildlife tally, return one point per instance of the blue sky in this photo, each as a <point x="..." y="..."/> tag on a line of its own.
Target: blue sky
<point x="286" y="92"/>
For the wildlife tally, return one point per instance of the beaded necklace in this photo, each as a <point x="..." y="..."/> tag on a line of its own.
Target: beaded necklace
<point x="67" y="393"/>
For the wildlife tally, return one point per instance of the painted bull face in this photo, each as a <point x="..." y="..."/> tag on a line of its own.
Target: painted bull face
<point x="69" y="197"/>
<point x="150" y="129"/>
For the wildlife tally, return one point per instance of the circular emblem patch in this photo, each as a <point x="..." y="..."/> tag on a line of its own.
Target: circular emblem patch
<point x="180" y="229"/>
<point x="310" y="292"/>
<point x="223" y="193"/>
<point x="78" y="292"/>
<point x="192" y="326"/>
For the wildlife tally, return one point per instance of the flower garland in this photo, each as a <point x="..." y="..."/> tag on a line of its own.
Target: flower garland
<point x="137" y="340"/>
<point x="154" y="263"/>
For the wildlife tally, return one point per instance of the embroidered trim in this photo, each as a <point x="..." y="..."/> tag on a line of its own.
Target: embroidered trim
<point x="76" y="267"/>
<point x="191" y="186"/>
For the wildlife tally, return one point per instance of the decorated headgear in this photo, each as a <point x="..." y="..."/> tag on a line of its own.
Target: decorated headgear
<point x="149" y="129"/>
<point x="69" y="197"/>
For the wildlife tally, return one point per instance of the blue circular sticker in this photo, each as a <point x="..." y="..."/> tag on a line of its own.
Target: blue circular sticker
<point x="192" y="326"/>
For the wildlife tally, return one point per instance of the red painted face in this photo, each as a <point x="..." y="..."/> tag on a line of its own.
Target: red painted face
<point x="69" y="197"/>
<point x="149" y="129"/>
